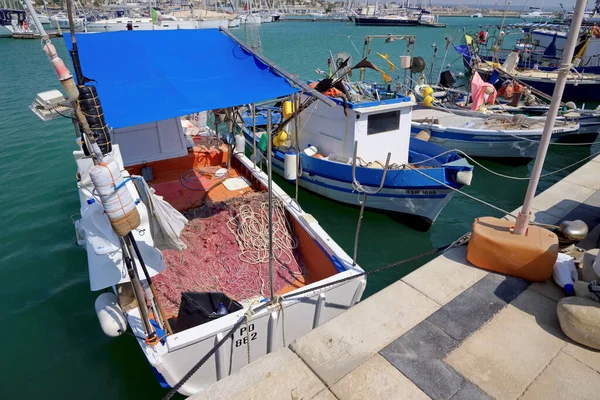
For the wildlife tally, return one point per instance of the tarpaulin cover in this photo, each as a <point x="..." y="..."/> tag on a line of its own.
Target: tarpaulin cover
<point x="147" y="76"/>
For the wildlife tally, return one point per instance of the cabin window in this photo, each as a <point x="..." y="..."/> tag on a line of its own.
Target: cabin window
<point x="384" y="122"/>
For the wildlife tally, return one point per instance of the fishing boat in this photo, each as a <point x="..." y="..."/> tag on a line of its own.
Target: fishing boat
<point x="175" y="226"/>
<point x="11" y="20"/>
<point x="418" y="180"/>
<point x="492" y="136"/>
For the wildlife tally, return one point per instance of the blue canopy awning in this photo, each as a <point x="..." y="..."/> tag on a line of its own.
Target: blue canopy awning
<point x="147" y="76"/>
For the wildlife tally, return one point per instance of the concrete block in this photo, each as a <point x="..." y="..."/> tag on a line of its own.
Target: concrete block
<point x="279" y="375"/>
<point x="561" y="198"/>
<point x="511" y="350"/>
<point x="418" y="355"/>
<point x="589" y="357"/>
<point x="565" y="378"/>
<point x="376" y="379"/>
<point x="470" y="392"/>
<point x="549" y="289"/>
<point x="587" y="175"/>
<point x="446" y="276"/>
<point x="476" y="305"/>
<point x="337" y="347"/>
<point x="580" y="320"/>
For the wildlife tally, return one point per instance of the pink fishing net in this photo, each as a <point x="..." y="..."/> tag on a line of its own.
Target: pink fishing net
<point x="227" y="251"/>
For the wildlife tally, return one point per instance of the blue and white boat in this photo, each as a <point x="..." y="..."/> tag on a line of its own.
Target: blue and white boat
<point x="494" y="136"/>
<point x="421" y="176"/>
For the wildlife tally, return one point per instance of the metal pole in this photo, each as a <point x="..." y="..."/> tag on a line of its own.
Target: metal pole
<point x="567" y="56"/>
<point x="254" y="155"/>
<point x="296" y="141"/>
<point x="270" y="194"/>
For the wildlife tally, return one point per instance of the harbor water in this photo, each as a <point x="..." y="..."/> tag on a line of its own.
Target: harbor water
<point x="54" y="347"/>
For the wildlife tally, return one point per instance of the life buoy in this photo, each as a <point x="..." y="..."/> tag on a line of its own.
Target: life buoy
<point x="596" y="31"/>
<point x="509" y="91"/>
<point x="25" y="25"/>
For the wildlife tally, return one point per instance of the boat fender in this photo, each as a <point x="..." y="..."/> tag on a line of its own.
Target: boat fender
<point x="464" y="177"/>
<point x="565" y="274"/>
<point x="288" y="109"/>
<point x="110" y="315"/>
<point x="240" y="144"/>
<point x="289" y="165"/>
<point x="417" y="65"/>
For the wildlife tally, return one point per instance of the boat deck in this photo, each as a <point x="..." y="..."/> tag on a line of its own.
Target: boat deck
<point x="448" y="330"/>
<point x="226" y="235"/>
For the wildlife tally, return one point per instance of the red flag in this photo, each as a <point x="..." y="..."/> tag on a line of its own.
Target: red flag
<point x="246" y="7"/>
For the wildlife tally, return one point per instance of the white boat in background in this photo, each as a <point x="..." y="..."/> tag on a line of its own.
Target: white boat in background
<point x="61" y="21"/>
<point x="12" y="20"/>
<point x="537" y="14"/>
<point x="250" y="19"/>
<point x="477" y="15"/>
<point x="234" y="23"/>
<point x="494" y="136"/>
<point x="168" y="22"/>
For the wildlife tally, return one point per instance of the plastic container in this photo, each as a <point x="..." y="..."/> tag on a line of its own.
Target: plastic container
<point x="565" y="274"/>
<point x="288" y="109"/>
<point x="222" y="310"/>
<point x="311" y="151"/>
<point x="289" y="165"/>
<point x="99" y="233"/>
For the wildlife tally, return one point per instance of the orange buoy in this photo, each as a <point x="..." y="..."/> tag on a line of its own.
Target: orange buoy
<point x="493" y="246"/>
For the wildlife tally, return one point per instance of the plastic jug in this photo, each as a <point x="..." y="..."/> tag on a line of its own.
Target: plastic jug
<point x="565" y="273"/>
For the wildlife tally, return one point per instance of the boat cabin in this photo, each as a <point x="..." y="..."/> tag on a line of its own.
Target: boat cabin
<point x="379" y="127"/>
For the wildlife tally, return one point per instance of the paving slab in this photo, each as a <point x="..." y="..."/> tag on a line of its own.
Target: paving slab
<point x="418" y="355"/>
<point x="279" y="375"/>
<point x="549" y="289"/>
<point x="322" y="395"/>
<point x="565" y="378"/>
<point x="562" y="198"/>
<point x="470" y="392"/>
<point x="586" y="175"/>
<point x="476" y="305"/>
<point x="589" y="357"/>
<point x="446" y="276"/>
<point x="376" y="379"/>
<point x="511" y="350"/>
<point x="337" y="347"/>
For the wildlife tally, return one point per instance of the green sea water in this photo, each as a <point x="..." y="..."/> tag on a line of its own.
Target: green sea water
<point x="53" y="346"/>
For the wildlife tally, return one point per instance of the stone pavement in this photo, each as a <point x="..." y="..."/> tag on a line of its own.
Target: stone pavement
<point x="446" y="331"/>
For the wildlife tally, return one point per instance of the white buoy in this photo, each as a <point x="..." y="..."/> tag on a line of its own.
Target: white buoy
<point x="111" y="317"/>
<point x="464" y="177"/>
<point x="289" y="165"/>
<point x="240" y="144"/>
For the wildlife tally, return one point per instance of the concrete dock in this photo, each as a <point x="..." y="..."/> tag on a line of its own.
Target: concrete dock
<point x="448" y="330"/>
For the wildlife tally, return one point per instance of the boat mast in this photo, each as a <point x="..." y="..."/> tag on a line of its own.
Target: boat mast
<point x="567" y="56"/>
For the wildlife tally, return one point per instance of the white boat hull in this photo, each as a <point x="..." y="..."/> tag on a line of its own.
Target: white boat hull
<point x="425" y="204"/>
<point x="5" y="31"/>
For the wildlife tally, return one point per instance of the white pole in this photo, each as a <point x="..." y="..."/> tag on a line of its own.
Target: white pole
<point x="567" y="56"/>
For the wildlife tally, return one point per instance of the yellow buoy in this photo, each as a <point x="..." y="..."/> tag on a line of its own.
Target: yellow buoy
<point x="428" y="101"/>
<point x="282" y="136"/>
<point x="288" y="109"/>
<point x="276" y="141"/>
<point x="427" y="91"/>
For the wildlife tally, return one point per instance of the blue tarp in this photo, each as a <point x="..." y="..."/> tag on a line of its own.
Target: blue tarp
<point x="147" y="76"/>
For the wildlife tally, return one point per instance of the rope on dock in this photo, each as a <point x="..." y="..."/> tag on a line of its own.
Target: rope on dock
<point x="294" y="296"/>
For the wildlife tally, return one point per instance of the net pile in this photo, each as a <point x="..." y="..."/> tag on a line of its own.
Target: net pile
<point x="227" y="251"/>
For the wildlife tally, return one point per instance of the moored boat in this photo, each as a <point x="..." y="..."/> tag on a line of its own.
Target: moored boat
<point x="493" y="136"/>
<point x="182" y="282"/>
<point x="419" y="181"/>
